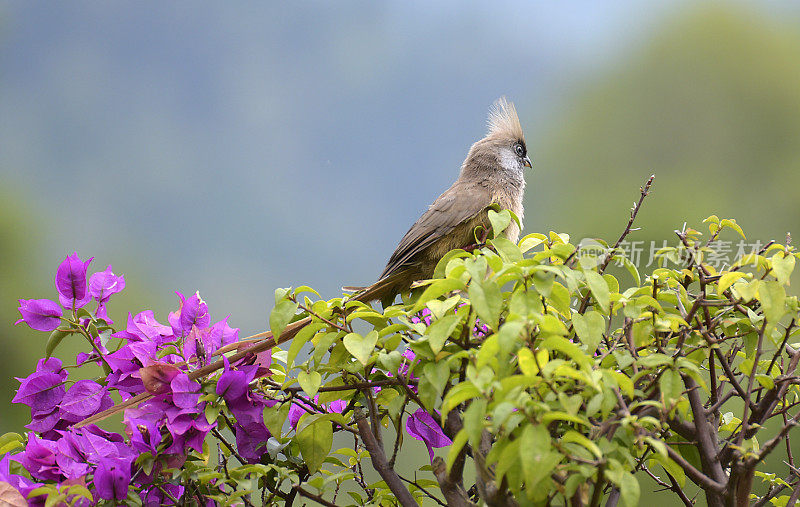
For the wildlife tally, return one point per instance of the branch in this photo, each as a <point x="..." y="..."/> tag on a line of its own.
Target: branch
<point x="266" y="343"/>
<point x="644" y="190"/>
<point x="453" y="492"/>
<point x="312" y="496"/>
<point x="380" y="463"/>
<point x="696" y="475"/>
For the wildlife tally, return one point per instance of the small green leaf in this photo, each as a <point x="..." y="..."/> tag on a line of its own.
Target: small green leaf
<point x="315" y="442"/>
<point x="436" y="290"/>
<point x="440" y="331"/>
<point x="558" y="415"/>
<point x="731" y="224"/>
<point x="281" y="315"/>
<point x="575" y="437"/>
<point x="437" y="374"/>
<point x="528" y="364"/>
<point x="457" y="395"/>
<point x="455" y="448"/>
<point x="671" y="385"/>
<point x="487" y="301"/>
<point x="568" y="348"/>
<point x="782" y="266"/>
<point x="629" y="490"/>
<point x="589" y="327"/>
<point x="361" y="347"/>
<point x="55" y="338"/>
<point x="310" y="382"/>
<point x="728" y="279"/>
<point x="500" y="221"/>
<point x="599" y="287"/>
<point x="559" y="298"/>
<point x="765" y="381"/>
<point x="302" y="337"/>
<point x="772" y="296"/>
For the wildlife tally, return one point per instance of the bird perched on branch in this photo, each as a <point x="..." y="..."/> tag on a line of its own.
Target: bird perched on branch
<point x="493" y="173"/>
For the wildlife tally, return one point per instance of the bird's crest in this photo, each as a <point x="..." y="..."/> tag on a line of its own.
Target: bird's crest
<point x="503" y="120"/>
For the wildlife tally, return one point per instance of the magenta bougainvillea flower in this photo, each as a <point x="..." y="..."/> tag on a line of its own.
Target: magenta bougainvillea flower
<point x="144" y="327"/>
<point x="40" y="314"/>
<point x="111" y="479"/>
<point x="43" y="389"/>
<point x="71" y="282"/>
<point x="422" y="426"/>
<point x="193" y="311"/>
<point x="84" y="398"/>
<point x="104" y="284"/>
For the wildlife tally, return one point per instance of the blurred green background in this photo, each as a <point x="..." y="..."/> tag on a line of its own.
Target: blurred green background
<point x="232" y="148"/>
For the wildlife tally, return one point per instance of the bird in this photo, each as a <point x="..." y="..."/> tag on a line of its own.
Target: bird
<point x="492" y="174"/>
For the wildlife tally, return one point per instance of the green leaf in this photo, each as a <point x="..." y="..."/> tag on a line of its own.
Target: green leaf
<point x="440" y="331"/>
<point x="535" y="455"/>
<point x="361" y="347"/>
<point x="437" y="374"/>
<point x="315" y="443"/>
<point x="747" y="290"/>
<point x="487" y="301"/>
<point x="782" y="266"/>
<point x="436" y="290"/>
<point x="629" y="490"/>
<point x="589" y="327"/>
<point x="281" y="315"/>
<point x="301" y="339"/>
<point x="455" y="448"/>
<point x="55" y="338"/>
<point x="765" y="381"/>
<point x="275" y="417"/>
<point x="528" y="364"/>
<point x="671" y="385"/>
<point x="672" y="468"/>
<point x="507" y="249"/>
<point x="575" y="437"/>
<point x="559" y="298"/>
<point x="599" y="287"/>
<point x="310" y="382"/>
<point x="772" y="296"/>
<point x="731" y="224"/>
<point x="9" y="442"/>
<point x="457" y="395"/>
<point x="558" y="415"/>
<point x="631" y="267"/>
<point x="728" y="279"/>
<point x="500" y="221"/>
<point x="568" y="348"/>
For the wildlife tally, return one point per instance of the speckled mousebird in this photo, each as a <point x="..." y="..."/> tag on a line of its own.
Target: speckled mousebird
<point x="492" y="173"/>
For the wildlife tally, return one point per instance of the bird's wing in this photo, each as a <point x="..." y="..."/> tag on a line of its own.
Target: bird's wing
<point x="456" y="205"/>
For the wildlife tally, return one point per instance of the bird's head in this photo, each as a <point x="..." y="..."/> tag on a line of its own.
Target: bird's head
<point x="504" y="144"/>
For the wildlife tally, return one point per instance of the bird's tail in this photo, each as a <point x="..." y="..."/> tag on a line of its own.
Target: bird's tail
<point x="384" y="290"/>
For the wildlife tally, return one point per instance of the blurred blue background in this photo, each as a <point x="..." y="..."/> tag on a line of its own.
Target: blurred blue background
<point x="235" y="148"/>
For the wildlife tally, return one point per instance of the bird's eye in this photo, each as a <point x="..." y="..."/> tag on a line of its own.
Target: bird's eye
<point x="519" y="150"/>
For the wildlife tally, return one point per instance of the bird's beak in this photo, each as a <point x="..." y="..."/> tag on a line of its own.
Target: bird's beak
<point x="527" y="162"/>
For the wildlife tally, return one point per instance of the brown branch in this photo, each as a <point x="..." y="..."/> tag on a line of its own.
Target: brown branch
<point x="312" y="496"/>
<point x="644" y="191"/>
<point x="705" y="435"/>
<point x="381" y="464"/>
<point x="697" y="476"/>
<point x="454" y="493"/>
<point x="267" y="343"/>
